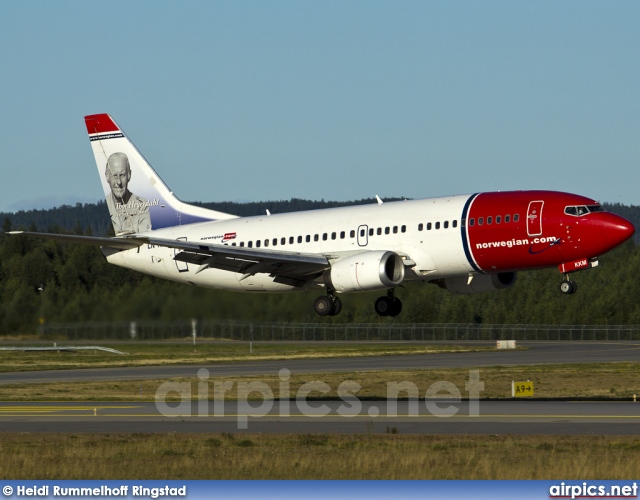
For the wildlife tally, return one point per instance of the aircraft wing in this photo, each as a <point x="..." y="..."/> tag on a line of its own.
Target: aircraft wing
<point x="290" y="268"/>
<point x="119" y="243"/>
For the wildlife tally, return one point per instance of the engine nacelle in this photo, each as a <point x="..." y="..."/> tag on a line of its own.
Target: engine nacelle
<point x="372" y="270"/>
<point x="479" y="283"/>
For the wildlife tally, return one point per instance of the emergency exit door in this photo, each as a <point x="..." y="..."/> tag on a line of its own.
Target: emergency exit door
<point x="534" y="218"/>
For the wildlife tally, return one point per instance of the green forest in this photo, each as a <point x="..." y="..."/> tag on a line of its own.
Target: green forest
<point x="66" y="283"/>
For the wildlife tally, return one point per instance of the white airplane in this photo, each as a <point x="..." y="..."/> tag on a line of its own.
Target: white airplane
<point x="465" y="243"/>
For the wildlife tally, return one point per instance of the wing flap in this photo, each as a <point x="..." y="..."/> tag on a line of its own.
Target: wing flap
<point x="285" y="267"/>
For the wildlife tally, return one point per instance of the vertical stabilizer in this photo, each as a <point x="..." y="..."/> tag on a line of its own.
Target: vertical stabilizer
<point x="138" y="200"/>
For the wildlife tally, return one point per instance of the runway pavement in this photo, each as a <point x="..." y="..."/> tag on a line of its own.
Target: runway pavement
<point x="353" y="416"/>
<point x="535" y="353"/>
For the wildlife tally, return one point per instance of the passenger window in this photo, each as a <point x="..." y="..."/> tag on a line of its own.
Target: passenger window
<point x="242" y="243"/>
<point x="333" y="236"/>
<point x="420" y="227"/>
<point x="258" y="243"/>
<point x="446" y="224"/>
<point x="308" y="238"/>
<point x="455" y="223"/>
<point x="275" y="241"/>
<point x="250" y="244"/>
<point x="516" y="217"/>
<point x="324" y="237"/>
<point x="437" y="225"/>
<point x="498" y="219"/>
<point x="472" y="222"/>
<point x="361" y="232"/>
<point x="395" y="229"/>
<point x="403" y="229"/>
<point x="352" y="233"/>
<point x="342" y="235"/>
<point x="233" y="244"/>
<point x="507" y="218"/>
<point x="299" y="239"/>
<point x="489" y="220"/>
<point x="283" y="241"/>
<point x="387" y="230"/>
<point x="316" y="237"/>
<point x="379" y="231"/>
<point x="429" y="226"/>
<point x="266" y="243"/>
<point x="371" y="232"/>
<point x="480" y="221"/>
<point x="291" y="240"/>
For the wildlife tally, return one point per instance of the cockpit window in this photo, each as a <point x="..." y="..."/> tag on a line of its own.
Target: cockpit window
<point x="579" y="211"/>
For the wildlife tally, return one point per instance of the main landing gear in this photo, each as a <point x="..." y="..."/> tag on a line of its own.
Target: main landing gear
<point x="567" y="286"/>
<point x="328" y="305"/>
<point x="389" y="305"/>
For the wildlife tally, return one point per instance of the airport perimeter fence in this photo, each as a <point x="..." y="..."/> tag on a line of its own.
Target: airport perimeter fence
<point x="333" y="332"/>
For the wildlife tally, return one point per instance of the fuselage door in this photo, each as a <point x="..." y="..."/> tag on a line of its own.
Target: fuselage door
<point x="183" y="267"/>
<point x="534" y="218"/>
<point x="363" y="235"/>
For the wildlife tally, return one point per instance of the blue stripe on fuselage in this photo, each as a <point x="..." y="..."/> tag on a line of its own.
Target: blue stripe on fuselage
<point x="463" y="231"/>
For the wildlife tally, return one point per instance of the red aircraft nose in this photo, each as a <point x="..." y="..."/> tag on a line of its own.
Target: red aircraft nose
<point x="617" y="230"/>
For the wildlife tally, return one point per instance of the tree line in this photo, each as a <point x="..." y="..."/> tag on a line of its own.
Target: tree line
<point x="58" y="282"/>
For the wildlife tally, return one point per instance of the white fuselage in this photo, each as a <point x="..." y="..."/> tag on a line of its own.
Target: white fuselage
<point x="333" y="232"/>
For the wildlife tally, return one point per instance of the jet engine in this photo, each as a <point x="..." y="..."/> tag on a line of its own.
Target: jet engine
<point x="373" y="270"/>
<point x="478" y="283"/>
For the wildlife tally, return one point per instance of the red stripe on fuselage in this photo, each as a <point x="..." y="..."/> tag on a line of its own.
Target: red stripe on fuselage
<point x="508" y="245"/>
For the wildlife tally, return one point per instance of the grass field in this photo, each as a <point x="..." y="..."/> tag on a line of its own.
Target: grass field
<point x="182" y="352"/>
<point x="601" y="380"/>
<point x="316" y="456"/>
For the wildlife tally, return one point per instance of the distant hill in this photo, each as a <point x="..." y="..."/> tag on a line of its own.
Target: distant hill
<point x="94" y="217"/>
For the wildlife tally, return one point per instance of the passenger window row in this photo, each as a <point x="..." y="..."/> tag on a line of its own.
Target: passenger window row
<point x="437" y="225"/>
<point x="497" y="220"/>
<point x="317" y="237"/>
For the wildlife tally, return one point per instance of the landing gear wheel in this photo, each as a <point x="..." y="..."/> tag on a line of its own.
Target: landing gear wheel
<point x="388" y="306"/>
<point x="396" y="307"/>
<point x="568" y="287"/>
<point x="383" y="306"/>
<point x="337" y="305"/>
<point x="324" y="306"/>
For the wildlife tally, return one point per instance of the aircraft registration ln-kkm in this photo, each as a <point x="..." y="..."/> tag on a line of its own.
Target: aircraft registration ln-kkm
<point x="465" y="243"/>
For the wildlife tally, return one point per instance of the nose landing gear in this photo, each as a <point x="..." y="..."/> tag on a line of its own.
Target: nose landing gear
<point x="567" y="286"/>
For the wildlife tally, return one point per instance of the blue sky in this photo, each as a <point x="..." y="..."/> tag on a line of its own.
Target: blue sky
<point x="338" y="100"/>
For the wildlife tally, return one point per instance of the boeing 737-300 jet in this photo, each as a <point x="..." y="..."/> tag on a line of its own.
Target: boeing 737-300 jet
<point x="464" y="243"/>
